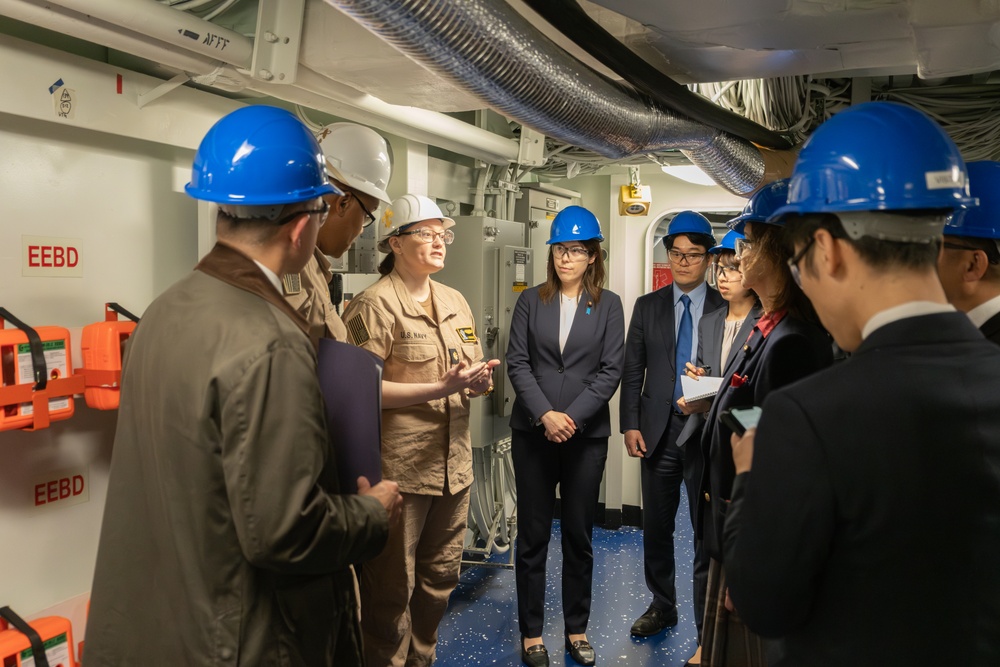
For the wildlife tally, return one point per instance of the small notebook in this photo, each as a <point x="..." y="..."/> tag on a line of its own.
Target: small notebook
<point x="703" y="387"/>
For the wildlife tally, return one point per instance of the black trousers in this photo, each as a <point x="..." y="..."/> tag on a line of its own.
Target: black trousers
<point x="577" y="466"/>
<point x="662" y="474"/>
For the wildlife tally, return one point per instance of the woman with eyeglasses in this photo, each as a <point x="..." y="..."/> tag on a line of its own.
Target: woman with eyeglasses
<point x="564" y="359"/>
<point x="425" y="333"/>
<point x="720" y="329"/>
<point x="786" y="344"/>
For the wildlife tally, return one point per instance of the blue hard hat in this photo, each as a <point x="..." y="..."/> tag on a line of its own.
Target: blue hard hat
<point x="258" y="155"/>
<point x="689" y="222"/>
<point x="575" y="223"/>
<point x="877" y="156"/>
<point x="762" y="205"/>
<point x="728" y="243"/>
<point x="981" y="221"/>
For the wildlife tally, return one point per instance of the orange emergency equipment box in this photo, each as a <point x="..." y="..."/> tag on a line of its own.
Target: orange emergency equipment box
<point x="35" y="365"/>
<point x="22" y="645"/>
<point x="103" y="347"/>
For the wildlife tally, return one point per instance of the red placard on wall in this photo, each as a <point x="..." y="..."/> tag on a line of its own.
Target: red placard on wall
<point x="661" y="275"/>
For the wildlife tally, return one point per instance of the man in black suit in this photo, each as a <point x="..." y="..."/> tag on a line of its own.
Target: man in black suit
<point x="867" y="531"/>
<point x="650" y="418"/>
<point x="969" y="265"/>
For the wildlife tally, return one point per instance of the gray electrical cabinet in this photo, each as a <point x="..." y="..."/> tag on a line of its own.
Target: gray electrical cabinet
<point x="490" y="265"/>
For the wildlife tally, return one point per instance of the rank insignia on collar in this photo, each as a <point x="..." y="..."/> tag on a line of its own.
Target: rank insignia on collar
<point x="359" y="330"/>
<point x="467" y="334"/>
<point x="292" y="283"/>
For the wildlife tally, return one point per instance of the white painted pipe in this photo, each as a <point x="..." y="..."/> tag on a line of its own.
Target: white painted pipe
<point x="311" y="89"/>
<point x="169" y="25"/>
<point x="429" y="127"/>
<point x="72" y="23"/>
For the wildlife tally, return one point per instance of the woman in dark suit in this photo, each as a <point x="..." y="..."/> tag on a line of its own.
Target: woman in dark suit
<point x="786" y="344"/>
<point x="564" y="359"/>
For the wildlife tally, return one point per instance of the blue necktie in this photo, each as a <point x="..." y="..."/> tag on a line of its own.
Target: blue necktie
<point x="683" y="348"/>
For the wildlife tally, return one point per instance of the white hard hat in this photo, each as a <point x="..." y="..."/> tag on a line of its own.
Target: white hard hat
<point x="409" y="210"/>
<point x="357" y="157"/>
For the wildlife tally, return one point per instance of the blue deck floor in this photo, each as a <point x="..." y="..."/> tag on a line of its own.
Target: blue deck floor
<point x="480" y="627"/>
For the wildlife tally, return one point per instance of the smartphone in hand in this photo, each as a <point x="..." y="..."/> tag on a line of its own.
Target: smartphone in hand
<point x="738" y="420"/>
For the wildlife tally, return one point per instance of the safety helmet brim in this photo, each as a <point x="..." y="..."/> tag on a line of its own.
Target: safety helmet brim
<point x="358" y="184"/>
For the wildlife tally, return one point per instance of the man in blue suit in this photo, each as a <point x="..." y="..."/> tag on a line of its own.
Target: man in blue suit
<point x="662" y="336"/>
<point x="864" y="525"/>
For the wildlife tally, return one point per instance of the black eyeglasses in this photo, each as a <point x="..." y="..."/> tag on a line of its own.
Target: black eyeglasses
<point x="369" y="216"/>
<point x="957" y="246"/>
<point x="686" y="258"/>
<point x="728" y="272"/>
<point x="793" y="263"/>
<point x="321" y="211"/>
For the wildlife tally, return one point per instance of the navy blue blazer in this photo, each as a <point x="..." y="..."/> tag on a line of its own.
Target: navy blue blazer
<point x="646" y="401"/>
<point x="874" y="501"/>
<point x="581" y="379"/>
<point x="793" y="350"/>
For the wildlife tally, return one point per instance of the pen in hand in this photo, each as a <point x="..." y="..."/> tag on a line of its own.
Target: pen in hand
<point x="694" y="372"/>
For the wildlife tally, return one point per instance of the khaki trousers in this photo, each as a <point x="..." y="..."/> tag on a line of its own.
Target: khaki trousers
<point x="405" y="589"/>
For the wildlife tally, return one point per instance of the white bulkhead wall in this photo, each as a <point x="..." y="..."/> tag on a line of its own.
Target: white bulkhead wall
<point x="111" y="175"/>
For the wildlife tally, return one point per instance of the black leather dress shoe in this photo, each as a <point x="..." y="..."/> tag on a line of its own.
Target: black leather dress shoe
<point x="653" y="622"/>
<point x="581" y="651"/>
<point x="535" y="656"/>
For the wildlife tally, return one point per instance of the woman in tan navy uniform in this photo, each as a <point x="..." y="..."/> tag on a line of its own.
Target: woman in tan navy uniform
<point x="426" y="334"/>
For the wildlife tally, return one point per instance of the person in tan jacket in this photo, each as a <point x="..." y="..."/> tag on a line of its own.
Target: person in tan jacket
<point x="426" y="334"/>
<point x="357" y="164"/>
<point x="225" y="541"/>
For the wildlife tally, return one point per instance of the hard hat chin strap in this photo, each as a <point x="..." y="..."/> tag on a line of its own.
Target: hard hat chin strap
<point x="893" y="226"/>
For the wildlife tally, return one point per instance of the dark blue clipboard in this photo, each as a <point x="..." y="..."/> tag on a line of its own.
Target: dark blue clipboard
<point x="351" y="381"/>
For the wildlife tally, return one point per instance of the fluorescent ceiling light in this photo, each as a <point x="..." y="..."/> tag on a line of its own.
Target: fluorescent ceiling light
<point x="689" y="173"/>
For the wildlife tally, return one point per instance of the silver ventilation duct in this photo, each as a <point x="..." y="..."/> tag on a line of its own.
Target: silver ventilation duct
<point x="493" y="52"/>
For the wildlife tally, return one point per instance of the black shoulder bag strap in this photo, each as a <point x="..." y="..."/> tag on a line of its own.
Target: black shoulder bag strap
<point x="37" y="353"/>
<point x="37" y="647"/>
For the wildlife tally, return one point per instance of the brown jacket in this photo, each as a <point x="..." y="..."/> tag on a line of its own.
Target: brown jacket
<point x="224" y="542"/>
<point x="426" y="446"/>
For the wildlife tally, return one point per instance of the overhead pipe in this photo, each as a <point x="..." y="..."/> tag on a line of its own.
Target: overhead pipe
<point x="169" y="25"/>
<point x="72" y="22"/>
<point x="491" y="51"/>
<point x="311" y="89"/>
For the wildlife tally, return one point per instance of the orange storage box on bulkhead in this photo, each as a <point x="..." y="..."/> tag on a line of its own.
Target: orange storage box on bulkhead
<point x="56" y="634"/>
<point x="16" y="368"/>
<point x="103" y="346"/>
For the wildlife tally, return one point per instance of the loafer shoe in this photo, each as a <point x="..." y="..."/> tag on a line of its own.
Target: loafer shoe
<point x="535" y="656"/>
<point x="581" y="651"/>
<point x="653" y="622"/>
